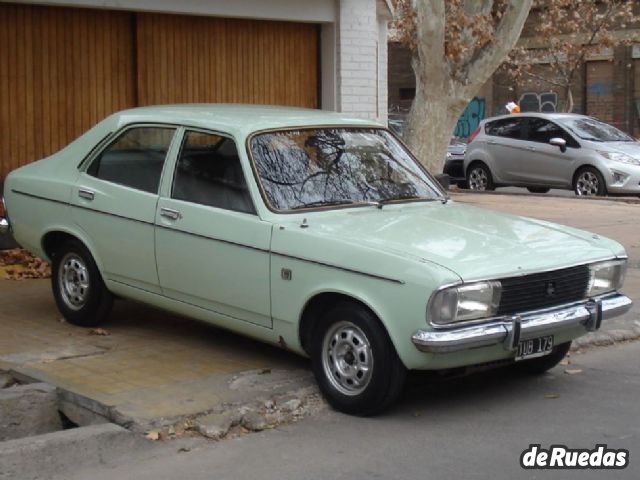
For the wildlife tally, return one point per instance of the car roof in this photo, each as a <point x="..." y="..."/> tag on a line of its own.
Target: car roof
<point x="237" y="118"/>
<point x="548" y="116"/>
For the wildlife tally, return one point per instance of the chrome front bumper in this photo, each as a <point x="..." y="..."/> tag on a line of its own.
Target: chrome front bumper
<point x="508" y="331"/>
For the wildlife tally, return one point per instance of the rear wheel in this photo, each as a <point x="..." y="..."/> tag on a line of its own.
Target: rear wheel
<point x="588" y="181"/>
<point x="479" y="177"/>
<point x="537" y="366"/>
<point x="78" y="289"/>
<point x="538" y="189"/>
<point x="354" y="362"/>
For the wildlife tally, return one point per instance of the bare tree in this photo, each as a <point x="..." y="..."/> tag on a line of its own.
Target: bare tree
<point x="564" y="34"/>
<point x="457" y="45"/>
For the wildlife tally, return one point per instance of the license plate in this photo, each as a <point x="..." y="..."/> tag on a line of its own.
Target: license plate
<point x="534" y="347"/>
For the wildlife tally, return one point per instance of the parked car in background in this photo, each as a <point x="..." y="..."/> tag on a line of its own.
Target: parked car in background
<point x="541" y="151"/>
<point x="454" y="161"/>
<point x="311" y="231"/>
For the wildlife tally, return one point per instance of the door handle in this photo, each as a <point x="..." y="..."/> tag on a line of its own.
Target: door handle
<point x="170" y="213"/>
<point x="533" y="149"/>
<point x="492" y="142"/>
<point x="86" y="194"/>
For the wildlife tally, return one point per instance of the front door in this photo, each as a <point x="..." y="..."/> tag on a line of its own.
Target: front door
<point x="115" y="203"/>
<point x="212" y="249"/>
<point x="546" y="164"/>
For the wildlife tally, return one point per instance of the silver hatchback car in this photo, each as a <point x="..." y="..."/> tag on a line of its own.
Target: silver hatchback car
<point x="541" y="151"/>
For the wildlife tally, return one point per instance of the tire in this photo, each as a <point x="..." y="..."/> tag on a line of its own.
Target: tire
<point x="538" y="189"/>
<point x="78" y="288"/>
<point x="479" y="178"/>
<point x="538" y="366"/>
<point x="588" y="181"/>
<point x="354" y="362"/>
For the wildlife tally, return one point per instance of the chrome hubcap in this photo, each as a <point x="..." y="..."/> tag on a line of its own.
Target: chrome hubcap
<point x="347" y="358"/>
<point x="587" y="184"/>
<point x="73" y="278"/>
<point x="478" y="179"/>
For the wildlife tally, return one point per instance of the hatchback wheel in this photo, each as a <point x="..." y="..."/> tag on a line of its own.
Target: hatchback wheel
<point x="589" y="182"/>
<point x="354" y="361"/>
<point x="479" y="178"/>
<point x="78" y="289"/>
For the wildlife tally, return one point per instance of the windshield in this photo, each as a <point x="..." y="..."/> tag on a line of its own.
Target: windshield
<point x="332" y="166"/>
<point x="591" y="129"/>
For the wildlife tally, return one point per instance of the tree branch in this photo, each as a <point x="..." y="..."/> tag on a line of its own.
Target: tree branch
<point x="481" y="67"/>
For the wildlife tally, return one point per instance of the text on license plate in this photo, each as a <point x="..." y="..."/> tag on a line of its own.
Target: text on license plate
<point x="534" y="347"/>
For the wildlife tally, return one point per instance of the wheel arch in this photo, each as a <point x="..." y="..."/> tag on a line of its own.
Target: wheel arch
<point x="319" y="303"/>
<point x="56" y="236"/>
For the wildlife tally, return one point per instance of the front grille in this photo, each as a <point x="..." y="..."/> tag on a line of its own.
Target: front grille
<point x="543" y="290"/>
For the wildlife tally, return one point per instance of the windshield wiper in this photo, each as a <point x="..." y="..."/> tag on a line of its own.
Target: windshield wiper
<point x="345" y="201"/>
<point x="416" y="198"/>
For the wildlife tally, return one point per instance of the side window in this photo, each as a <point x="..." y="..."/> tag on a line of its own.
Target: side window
<point x="135" y="159"/>
<point x="208" y="172"/>
<point x="506" y="127"/>
<point x="541" y="130"/>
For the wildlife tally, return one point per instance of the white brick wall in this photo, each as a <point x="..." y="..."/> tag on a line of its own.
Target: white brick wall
<point x="361" y="59"/>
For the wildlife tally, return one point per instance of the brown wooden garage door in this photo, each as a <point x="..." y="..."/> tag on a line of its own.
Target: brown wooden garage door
<point x="63" y="69"/>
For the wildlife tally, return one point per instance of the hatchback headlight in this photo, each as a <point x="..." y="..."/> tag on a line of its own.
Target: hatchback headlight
<point x="606" y="277"/>
<point x="465" y="302"/>
<point x="619" y="157"/>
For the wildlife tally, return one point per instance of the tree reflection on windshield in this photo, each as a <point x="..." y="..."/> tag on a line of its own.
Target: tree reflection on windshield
<point x="332" y="166"/>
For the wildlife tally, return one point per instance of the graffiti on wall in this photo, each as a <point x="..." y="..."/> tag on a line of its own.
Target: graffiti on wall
<point x="471" y="117"/>
<point x="538" y="102"/>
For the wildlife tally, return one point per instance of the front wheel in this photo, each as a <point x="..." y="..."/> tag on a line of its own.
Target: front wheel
<point x="354" y="362"/>
<point x="588" y="181"/>
<point x="479" y="178"/>
<point x="80" y="293"/>
<point x="537" y="366"/>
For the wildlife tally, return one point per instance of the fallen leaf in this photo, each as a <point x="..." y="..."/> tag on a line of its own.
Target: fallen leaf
<point x="153" y="435"/>
<point x="264" y="371"/>
<point x="565" y="362"/>
<point x="99" y="331"/>
<point x="551" y="395"/>
<point x="183" y="450"/>
<point x="573" y="371"/>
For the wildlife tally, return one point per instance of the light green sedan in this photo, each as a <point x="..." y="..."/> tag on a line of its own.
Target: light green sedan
<point x="312" y="231"/>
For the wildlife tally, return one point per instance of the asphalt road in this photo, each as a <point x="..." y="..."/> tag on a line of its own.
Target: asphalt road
<point x="471" y="427"/>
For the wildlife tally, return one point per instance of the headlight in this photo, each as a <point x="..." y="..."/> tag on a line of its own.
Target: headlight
<point x="620" y="157"/>
<point x="465" y="302"/>
<point x="606" y="277"/>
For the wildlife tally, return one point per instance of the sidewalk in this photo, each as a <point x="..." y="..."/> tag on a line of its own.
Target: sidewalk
<point x="151" y="369"/>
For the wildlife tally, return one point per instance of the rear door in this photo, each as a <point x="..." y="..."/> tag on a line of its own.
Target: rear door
<point x="506" y="147"/>
<point x="546" y="164"/>
<point x="115" y="203"/>
<point x="212" y="249"/>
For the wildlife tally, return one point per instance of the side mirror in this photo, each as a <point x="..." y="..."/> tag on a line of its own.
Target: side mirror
<point x="561" y="143"/>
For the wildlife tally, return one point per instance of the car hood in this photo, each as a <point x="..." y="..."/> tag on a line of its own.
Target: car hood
<point x="472" y="242"/>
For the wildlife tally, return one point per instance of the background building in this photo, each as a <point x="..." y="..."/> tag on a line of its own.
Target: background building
<point x="66" y="64"/>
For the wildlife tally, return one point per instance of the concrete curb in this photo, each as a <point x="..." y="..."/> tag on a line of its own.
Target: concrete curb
<point x="44" y="456"/>
<point x="604" y="338"/>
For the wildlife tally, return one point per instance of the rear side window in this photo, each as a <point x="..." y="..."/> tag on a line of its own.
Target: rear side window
<point x="542" y="131"/>
<point x="209" y="172"/>
<point x="506" y="127"/>
<point x="135" y="159"/>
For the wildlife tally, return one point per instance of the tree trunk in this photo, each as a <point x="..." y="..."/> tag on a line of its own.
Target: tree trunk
<point x="430" y="126"/>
